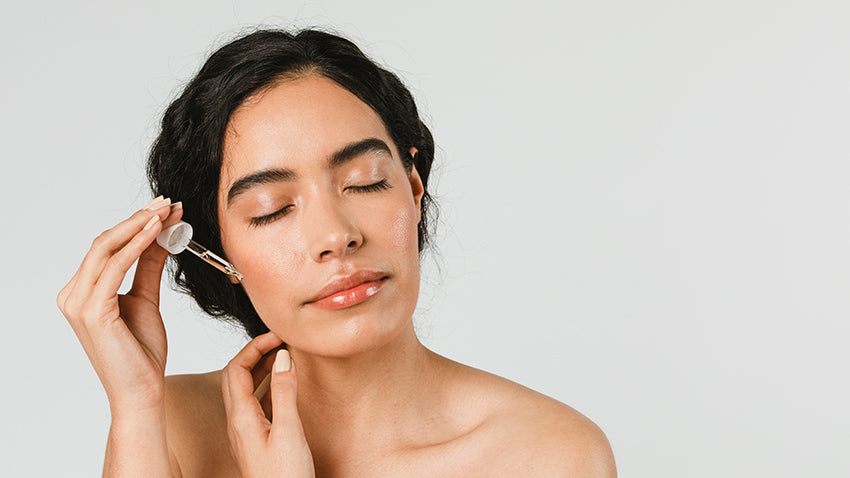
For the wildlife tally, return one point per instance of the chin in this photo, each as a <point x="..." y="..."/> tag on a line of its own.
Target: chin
<point x="352" y="337"/>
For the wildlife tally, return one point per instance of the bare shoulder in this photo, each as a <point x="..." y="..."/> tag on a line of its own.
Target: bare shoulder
<point x="192" y="400"/>
<point x="197" y="425"/>
<point x="546" y="437"/>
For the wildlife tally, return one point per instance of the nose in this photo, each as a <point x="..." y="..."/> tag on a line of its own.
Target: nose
<point x="330" y="231"/>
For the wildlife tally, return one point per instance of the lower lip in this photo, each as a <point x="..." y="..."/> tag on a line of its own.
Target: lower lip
<point x="350" y="297"/>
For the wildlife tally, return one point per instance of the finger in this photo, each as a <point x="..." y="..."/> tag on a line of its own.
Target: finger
<point x="176" y="212"/>
<point x="255" y="350"/>
<point x="261" y="392"/>
<point x="246" y="429"/>
<point x="263" y="368"/>
<point x="119" y="263"/>
<point x="255" y="360"/>
<point x="284" y="395"/>
<point x="113" y="240"/>
<point x="148" y="277"/>
<point x="243" y="409"/>
<point x="66" y="291"/>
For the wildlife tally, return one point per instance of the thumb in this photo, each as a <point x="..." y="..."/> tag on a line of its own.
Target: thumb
<point x="284" y="393"/>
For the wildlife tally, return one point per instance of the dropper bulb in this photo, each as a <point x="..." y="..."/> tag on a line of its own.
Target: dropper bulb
<point x="174" y="239"/>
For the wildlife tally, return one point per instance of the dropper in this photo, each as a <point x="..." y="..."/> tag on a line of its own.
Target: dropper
<point x="178" y="238"/>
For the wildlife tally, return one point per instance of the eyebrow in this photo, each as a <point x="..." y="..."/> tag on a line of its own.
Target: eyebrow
<point x="334" y="161"/>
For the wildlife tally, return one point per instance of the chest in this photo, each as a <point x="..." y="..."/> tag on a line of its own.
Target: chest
<point x="465" y="457"/>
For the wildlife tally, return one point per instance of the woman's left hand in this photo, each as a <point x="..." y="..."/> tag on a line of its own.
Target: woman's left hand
<point x="263" y="447"/>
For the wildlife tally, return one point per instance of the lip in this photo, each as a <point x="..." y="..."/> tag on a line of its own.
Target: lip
<point x="349" y="290"/>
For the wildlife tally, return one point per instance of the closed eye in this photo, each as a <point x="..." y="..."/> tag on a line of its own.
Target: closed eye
<point x="268" y="218"/>
<point x="379" y="186"/>
<point x="263" y="220"/>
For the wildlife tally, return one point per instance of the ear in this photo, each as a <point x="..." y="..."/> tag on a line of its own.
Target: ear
<point x="416" y="185"/>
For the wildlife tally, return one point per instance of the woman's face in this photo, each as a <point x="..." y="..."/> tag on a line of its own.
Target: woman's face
<point x="319" y="215"/>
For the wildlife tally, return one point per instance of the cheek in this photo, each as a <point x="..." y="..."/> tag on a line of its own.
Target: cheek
<point x="268" y="266"/>
<point x="272" y="261"/>
<point x="403" y="229"/>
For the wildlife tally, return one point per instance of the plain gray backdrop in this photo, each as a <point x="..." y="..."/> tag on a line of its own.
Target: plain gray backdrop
<point x="645" y="211"/>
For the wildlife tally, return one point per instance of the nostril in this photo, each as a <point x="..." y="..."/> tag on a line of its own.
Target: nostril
<point x="338" y="245"/>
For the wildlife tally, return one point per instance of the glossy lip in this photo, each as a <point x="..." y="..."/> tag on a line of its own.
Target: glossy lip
<point x="344" y="283"/>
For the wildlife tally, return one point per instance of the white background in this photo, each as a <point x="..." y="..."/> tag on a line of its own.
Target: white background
<point x="645" y="211"/>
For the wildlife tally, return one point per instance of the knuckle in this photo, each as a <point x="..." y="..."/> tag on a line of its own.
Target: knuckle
<point x="76" y="320"/>
<point x="115" y="265"/>
<point x="283" y="389"/>
<point x="89" y="315"/>
<point x="70" y="309"/>
<point x="85" y="319"/>
<point x="228" y="369"/>
<point x="99" y="241"/>
<point x="111" y="265"/>
<point x="238" y="361"/>
<point x="62" y="297"/>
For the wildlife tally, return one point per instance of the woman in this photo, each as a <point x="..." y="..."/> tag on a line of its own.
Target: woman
<point x="307" y="166"/>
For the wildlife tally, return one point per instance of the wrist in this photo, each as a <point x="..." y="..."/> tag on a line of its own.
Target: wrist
<point x="137" y="411"/>
<point x="137" y="444"/>
<point x="148" y="399"/>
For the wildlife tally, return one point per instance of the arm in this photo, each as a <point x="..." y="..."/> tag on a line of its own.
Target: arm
<point x="137" y="446"/>
<point x="124" y="337"/>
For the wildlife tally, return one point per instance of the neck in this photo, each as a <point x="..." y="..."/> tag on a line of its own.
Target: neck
<point x="374" y="396"/>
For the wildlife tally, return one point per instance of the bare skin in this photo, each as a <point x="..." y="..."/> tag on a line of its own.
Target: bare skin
<point x="475" y="424"/>
<point x="356" y="393"/>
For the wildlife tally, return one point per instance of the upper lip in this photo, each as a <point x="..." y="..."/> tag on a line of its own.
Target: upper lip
<point x="341" y="283"/>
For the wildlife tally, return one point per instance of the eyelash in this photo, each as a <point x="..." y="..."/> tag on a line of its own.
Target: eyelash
<point x="379" y="186"/>
<point x="263" y="220"/>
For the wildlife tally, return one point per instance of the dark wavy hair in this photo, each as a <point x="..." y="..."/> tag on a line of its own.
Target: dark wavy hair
<point x="186" y="158"/>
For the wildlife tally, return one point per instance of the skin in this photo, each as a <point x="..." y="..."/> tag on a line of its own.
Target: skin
<point x="361" y="395"/>
<point x="331" y="230"/>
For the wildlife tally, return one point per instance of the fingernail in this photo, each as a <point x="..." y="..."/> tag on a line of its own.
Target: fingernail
<point x="165" y="202"/>
<point x="158" y="204"/>
<point x="155" y="200"/>
<point x="177" y="206"/>
<point x="282" y="362"/>
<point x="151" y="222"/>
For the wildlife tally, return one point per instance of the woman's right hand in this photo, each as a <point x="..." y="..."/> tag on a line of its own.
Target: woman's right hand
<point x="273" y="444"/>
<point x="123" y="335"/>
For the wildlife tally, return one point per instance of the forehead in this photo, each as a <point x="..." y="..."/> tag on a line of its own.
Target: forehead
<point x="295" y="124"/>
